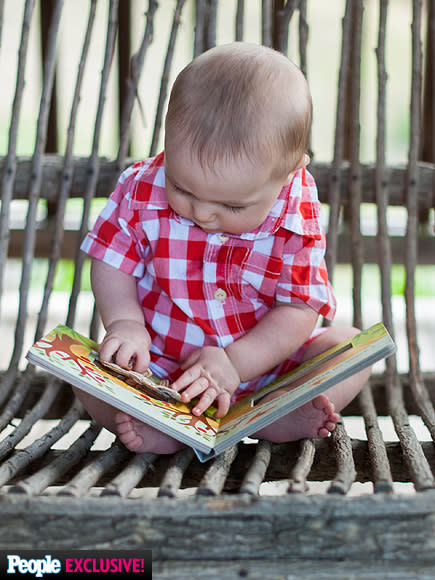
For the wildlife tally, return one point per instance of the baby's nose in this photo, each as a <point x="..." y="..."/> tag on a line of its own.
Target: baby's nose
<point x="203" y="212"/>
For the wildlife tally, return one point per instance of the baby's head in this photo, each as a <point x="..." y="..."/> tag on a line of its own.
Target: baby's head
<point x="237" y="128"/>
<point x="240" y="101"/>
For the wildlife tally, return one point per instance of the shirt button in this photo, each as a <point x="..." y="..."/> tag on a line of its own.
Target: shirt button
<point x="220" y="294"/>
<point x="223" y="239"/>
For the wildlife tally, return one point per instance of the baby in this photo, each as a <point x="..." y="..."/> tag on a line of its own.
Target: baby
<point x="208" y="259"/>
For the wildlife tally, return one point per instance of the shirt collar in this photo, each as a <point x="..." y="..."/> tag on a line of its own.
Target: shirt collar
<point x="297" y="208"/>
<point x="148" y="187"/>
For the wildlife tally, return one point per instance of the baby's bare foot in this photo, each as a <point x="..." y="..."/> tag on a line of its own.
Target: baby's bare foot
<point x="317" y="418"/>
<point x="141" y="438"/>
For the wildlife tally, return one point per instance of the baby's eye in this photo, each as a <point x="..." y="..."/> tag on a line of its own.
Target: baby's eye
<point x="235" y="208"/>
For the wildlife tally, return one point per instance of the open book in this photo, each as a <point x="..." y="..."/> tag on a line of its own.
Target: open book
<point x="74" y="358"/>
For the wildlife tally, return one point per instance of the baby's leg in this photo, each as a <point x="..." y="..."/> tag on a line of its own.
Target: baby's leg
<point x="135" y="435"/>
<point x="318" y="417"/>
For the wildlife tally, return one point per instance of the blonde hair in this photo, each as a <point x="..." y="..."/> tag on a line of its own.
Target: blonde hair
<point x="241" y="100"/>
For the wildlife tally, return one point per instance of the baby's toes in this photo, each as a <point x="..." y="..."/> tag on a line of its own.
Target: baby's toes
<point x="334" y="418"/>
<point x="323" y="432"/>
<point x="131" y="439"/>
<point x="124" y="428"/>
<point x="322" y="403"/>
<point x="122" y="419"/>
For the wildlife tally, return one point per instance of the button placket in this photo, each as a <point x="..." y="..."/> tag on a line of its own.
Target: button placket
<point x="215" y="306"/>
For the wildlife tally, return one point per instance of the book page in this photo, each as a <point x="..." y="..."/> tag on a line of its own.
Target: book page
<point x="304" y="383"/>
<point x="74" y="358"/>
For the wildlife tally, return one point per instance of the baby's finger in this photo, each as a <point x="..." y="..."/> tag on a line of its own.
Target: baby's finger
<point x="222" y="402"/>
<point x="205" y="401"/>
<point x="195" y="389"/>
<point x="187" y="378"/>
<point x="108" y="349"/>
<point x="140" y="361"/>
<point x="125" y="354"/>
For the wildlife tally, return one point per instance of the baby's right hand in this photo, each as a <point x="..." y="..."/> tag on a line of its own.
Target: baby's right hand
<point x="127" y="343"/>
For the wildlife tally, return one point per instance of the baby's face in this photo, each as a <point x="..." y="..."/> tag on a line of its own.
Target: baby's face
<point x="234" y="198"/>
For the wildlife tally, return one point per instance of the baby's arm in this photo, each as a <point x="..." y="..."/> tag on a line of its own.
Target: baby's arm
<point x="274" y="338"/>
<point x="214" y="373"/>
<point x="116" y="299"/>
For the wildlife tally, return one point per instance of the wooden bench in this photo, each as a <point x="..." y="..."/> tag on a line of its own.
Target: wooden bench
<point x="359" y="506"/>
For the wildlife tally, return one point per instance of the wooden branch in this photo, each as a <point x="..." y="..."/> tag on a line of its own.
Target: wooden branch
<point x="57" y="225"/>
<point x="214" y="480"/>
<point x="200" y="19"/>
<point x="267" y="22"/>
<point x="131" y="475"/>
<point x="334" y="184"/>
<point x="38" y="482"/>
<point x="165" y="77"/>
<point x="35" y="183"/>
<point x="427" y="141"/>
<point x="257" y="470"/>
<point x="411" y="248"/>
<point x="394" y="176"/>
<point x="419" y="469"/>
<point x="136" y="67"/>
<point x="19" y="393"/>
<point x="284" y="17"/>
<point x="173" y="477"/>
<point x="22" y="459"/>
<point x="93" y="163"/>
<point x="411" y="197"/>
<point x="51" y="139"/>
<point x="240" y="21"/>
<point x="90" y="475"/>
<point x="301" y="471"/>
<point x="211" y="23"/>
<point x="303" y="36"/>
<point x="38" y="411"/>
<point x="382" y="478"/>
<point x="355" y="166"/>
<point x="346" y="472"/>
<point x="10" y="165"/>
<point x="381" y="178"/>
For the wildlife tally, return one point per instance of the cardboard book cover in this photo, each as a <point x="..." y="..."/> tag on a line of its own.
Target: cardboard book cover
<point x="73" y="358"/>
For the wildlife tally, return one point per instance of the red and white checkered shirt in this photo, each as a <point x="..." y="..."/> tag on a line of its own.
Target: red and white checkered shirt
<point x="198" y="289"/>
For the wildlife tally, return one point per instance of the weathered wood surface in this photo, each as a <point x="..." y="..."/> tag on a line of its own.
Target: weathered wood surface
<point x="377" y="527"/>
<point x="319" y="569"/>
<point x="52" y="168"/>
<point x="102" y="468"/>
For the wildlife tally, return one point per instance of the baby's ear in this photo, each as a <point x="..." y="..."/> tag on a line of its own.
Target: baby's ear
<point x="303" y="162"/>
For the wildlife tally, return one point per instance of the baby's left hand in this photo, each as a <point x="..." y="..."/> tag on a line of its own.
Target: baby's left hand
<point x="209" y="374"/>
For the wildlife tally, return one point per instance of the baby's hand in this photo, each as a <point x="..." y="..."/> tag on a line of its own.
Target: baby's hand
<point x="127" y="343"/>
<point x="209" y="374"/>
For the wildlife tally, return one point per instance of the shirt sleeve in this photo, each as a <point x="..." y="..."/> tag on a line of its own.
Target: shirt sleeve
<point x="114" y="238"/>
<point x="304" y="277"/>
